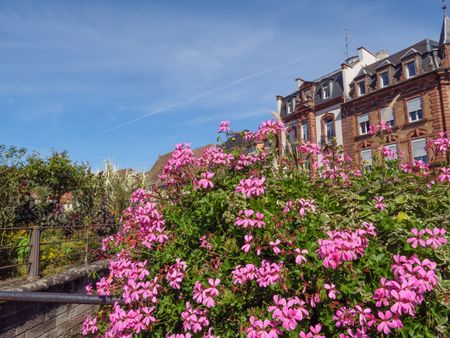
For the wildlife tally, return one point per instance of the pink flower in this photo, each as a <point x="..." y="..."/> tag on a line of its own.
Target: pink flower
<point x="270" y="127"/>
<point x="288" y="311"/>
<point x="444" y="175"/>
<point x="386" y="323"/>
<point x="89" y="289"/>
<point x="268" y="273"/>
<point x="206" y="296"/>
<point x="176" y="274"/>
<point x="247" y="246"/>
<point x="242" y="275"/>
<point x="89" y="326"/>
<point x="417" y="239"/>
<point x="224" y="127"/>
<point x="314" y="332"/>
<point x="249" y="219"/>
<point x="262" y="328"/>
<point x="300" y="257"/>
<point x="194" y="319"/>
<point x="379" y="203"/>
<point x="205" y="182"/>
<point x="437" y="238"/>
<point x="274" y="246"/>
<point x="388" y="153"/>
<point x="344" y="317"/>
<point x="251" y="187"/>
<point x="332" y="292"/>
<point x="205" y="244"/>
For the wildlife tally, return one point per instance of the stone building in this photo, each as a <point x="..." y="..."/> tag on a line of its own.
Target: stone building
<point x="313" y="112"/>
<point x="409" y="91"/>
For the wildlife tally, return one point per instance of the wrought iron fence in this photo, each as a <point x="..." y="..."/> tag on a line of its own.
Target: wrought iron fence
<point x="88" y="236"/>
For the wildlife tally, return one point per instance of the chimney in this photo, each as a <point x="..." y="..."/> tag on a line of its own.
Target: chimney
<point x="279" y="104"/>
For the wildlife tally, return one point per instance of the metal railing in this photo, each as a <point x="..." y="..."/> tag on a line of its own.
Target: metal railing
<point x="55" y="297"/>
<point x="87" y="236"/>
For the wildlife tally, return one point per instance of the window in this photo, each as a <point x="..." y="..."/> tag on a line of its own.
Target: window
<point x="364" y="124"/>
<point x="366" y="157"/>
<point x="387" y="115"/>
<point x="291" y="106"/>
<point x="393" y="149"/>
<point x="305" y="134"/>
<point x="326" y="91"/>
<point x="329" y="126"/>
<point x="292" y="137"/>
<point x="415" y="112"/>
<point x="384" y="79"/>
<point x="410" y="69"/>
<point x="418" y="150"/>
<point x="361" y="88"/>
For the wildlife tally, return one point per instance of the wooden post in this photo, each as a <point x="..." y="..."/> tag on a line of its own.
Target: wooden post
<point x="86" y="256"/>
<point x="33" y="258"/>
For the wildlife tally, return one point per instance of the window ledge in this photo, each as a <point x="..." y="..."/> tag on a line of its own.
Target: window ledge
<point x="363" y="137"/>
<point x="414" y="123"/>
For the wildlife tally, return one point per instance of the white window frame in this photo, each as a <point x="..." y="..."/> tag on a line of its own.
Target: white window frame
<point x="408" y="74"/>
<point x="289" y="109"/>
<point x="363" y="83"/>
<point x="391" y="121"/>
<point x="367" y="163"/>
<point x="382" y="83"/>
<point x="417" y="113"/>
<point x="418" y="150"/>
<point x="305" y="126"/>
<point x="363" y="129"/>
<point x="327" y="129"/>
<point x="324" y="91"/>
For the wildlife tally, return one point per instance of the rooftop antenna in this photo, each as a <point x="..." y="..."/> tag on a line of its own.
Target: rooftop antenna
<point x="444" y="7"/>
<point x="346" y="41"/>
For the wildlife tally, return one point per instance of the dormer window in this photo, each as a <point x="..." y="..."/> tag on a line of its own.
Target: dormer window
<point x="291" y="106"/>
<point x="384" y="79"/>
<point x="410" y="69"/>
<point x="361" y="88"/>
<point x="326" y="91"/>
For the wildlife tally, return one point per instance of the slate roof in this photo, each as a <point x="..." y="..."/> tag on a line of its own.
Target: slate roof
<point x="337" y="89"/>
<point x="424" y="48"/>
<point x="152" y="174"/>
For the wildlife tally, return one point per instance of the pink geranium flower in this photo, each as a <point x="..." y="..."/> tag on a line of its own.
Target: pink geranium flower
<point x="224" y="127"/>
<point x="417" y="239"/>
<point x="379" y="203"/>
<point x="332" y="292"/>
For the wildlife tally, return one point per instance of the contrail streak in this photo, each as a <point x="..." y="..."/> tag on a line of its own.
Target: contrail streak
<point x="195" y="97"/>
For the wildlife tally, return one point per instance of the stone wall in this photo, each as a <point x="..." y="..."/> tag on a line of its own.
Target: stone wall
<point x="32" y="320"/>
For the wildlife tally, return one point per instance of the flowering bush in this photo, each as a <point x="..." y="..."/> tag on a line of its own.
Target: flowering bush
<point x="254" y="245"/>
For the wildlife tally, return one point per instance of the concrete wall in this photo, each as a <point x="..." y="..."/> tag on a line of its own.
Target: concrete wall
<point x="32" y="320"/>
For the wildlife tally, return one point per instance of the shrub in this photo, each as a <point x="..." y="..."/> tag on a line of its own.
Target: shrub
<point x="255" y="245"/>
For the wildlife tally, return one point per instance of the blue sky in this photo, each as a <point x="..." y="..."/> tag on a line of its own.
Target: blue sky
<point x="74" y="75"/>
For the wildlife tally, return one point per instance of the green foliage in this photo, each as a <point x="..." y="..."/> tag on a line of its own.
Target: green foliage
<point x="190" y="214"/>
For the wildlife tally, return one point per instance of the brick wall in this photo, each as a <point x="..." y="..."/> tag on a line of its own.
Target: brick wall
<point x="433" y="88"/>
<point x="49" y="320"/>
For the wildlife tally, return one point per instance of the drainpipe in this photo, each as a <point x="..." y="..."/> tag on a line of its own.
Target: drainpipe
<point x="348" y="132"/>
<point x="441" y="100"/>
